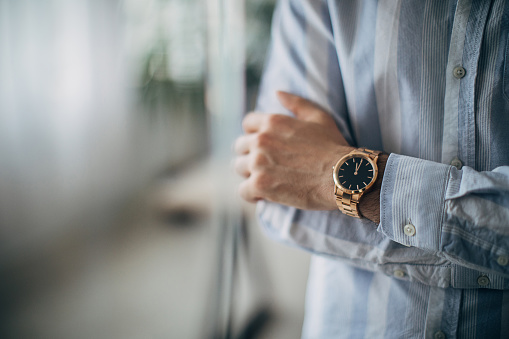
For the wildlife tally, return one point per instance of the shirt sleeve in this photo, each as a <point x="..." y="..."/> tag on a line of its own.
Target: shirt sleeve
<point x="462" y="215"/>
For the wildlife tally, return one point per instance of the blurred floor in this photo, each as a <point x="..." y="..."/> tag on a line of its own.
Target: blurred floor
<point x="151" y="277"/>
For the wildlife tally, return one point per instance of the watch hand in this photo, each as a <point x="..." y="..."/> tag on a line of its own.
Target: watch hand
<point x="357" y="166"/>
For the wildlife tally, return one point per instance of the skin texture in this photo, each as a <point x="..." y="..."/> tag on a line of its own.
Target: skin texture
<point x="289" y="160"/>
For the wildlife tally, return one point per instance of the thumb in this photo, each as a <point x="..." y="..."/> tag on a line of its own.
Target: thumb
<point x="309" y="111"/>
<point x="304" y="109"/>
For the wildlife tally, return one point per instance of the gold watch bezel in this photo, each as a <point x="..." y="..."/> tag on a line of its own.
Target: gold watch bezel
<point x="345" y="158"/>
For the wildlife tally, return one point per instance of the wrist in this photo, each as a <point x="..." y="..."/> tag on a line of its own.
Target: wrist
<point x="369" y="205"/>
<point x="354" y="176"/>
<point x="329" y="196"/>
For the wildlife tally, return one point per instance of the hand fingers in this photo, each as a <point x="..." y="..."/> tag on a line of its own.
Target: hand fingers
<point x="247" y="191"/>
<point x="241" y="166"/>
<point x="253" y="121"/>
<point x="244" y="143"/>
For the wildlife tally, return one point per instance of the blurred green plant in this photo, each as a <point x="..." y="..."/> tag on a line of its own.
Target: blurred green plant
<point x="167" y="53"/>
<point x="167" y="40"/>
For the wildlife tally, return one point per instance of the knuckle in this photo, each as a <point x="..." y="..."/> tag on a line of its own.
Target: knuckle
<point x="263" y="140"/>
<point x="259" y="160"/>
<point x="262" y="182"/>
<point x="275" y="120"/>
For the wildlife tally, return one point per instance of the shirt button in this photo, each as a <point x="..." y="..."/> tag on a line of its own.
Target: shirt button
<point x="456" y="163"/>
<point x="439" y="335"/>
<point x="483" y="280"/>
<point x="459" y="72"/>
<point x="399" y="274"/>
<point x="409" y="230"/>
<point x="503" y="260"/>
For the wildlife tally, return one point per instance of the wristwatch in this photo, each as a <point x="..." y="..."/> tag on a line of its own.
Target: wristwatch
<point x="354" y="174"/>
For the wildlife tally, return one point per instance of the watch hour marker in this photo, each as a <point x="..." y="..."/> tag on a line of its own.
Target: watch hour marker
<point x="370" y="170"/>
<point x="343" y="182"/>
<point x="340" y="176"/>
<point x="370" y="177"/>
<point x="367" y="164"/>
<point x="347" y="164"/>
<point x="341" y="169"/>
<point x="365" y="183"/>
<point x="349" y="187"/>
<point x="357" y="186"/>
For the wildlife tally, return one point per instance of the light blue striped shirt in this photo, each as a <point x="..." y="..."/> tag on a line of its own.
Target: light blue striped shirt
<point x="426" y="81"/>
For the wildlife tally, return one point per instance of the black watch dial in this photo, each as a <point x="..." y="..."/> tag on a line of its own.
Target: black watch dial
<point x="355" y="173"/>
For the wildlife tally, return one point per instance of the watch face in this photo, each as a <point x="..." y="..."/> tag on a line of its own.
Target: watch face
<point x="355" y="174"/>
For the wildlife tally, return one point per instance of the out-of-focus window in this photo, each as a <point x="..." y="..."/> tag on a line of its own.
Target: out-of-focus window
<point x="105" y="197"/>
<point x="166" y="50"/>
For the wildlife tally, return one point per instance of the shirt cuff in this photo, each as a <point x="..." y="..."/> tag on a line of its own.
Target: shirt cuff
<point x="412" y="201"/>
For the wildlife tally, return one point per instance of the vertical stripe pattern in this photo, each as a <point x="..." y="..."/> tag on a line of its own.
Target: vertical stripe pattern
<point x="467" y="325"/>
<point x="485" y="86"/>
<point x="386" y="75"/>
<point x="433" y="78"/>
<point x="344" y="29"/>
<point x="408" y="61"/>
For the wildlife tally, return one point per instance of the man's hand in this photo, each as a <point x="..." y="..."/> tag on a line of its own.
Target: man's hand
<point x="289" y="160"/>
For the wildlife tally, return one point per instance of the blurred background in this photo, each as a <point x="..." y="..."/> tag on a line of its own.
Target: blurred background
<point x="118" y="217"/>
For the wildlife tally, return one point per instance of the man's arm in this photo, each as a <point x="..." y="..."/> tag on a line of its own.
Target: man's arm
<point x="288" y="160"/>
<point x="460" y="217"/>
<point x="302" y="61"/>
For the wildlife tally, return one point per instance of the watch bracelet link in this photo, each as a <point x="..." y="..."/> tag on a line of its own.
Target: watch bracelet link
<point x="348" y="203"/>
<point x="370" y="153"/>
